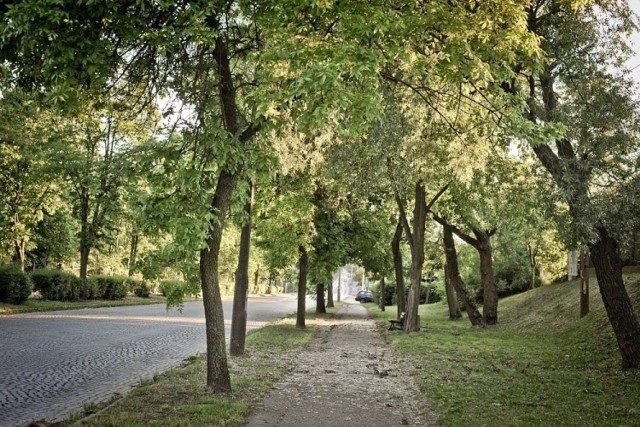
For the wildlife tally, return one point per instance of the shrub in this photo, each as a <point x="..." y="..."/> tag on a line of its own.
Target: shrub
<point x="110" y="287"/>
<point x="435" y="293"/>
<point x="57" y="285"/>
<point x="139" y="288"/>
<point x="15" y="285"/>
<point x="90" y="290"/>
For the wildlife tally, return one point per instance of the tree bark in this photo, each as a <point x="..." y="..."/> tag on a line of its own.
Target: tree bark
<point x="20" y="247"/>
<point x="584" y="282"/>
<point x="533" y="263"/>
<point x="133" y="251"/>
<point x="84" y="259"/>
<point x="397" y="267"/>
<point x="218" y="379"/>
<point x="605" y="256"/>
<point x="320" y="307"/>
<point x="489" y="290"/>
<point x="330" y="294"/>
<point x="383" y="293"/>
<point x="412" y="320"/>
<point x="453" y="273"/>
<point x="303" y="261"/>
<point x="452" y="298"/>
<point x="241" y="289"/>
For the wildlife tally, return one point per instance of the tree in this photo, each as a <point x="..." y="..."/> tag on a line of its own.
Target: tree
<point x="28" y="184"/>
<point x="601" y="119"/>
<point x="453" y="276"/>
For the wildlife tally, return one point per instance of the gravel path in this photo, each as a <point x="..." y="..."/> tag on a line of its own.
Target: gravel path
<point x="347" y="377"/>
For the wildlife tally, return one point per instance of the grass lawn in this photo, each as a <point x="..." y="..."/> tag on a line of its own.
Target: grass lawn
<point x="542" y="365"/>
<point x="33" y="304"/>
<point x="179" y="397"/>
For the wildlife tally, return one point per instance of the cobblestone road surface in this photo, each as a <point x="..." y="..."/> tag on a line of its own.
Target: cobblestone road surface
<point x="51" y="364"/>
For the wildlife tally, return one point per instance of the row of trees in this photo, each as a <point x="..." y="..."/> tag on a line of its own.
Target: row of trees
<point x="332" y="130"/>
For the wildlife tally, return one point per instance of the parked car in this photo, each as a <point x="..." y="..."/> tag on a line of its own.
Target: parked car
<point x="364" y="296"/>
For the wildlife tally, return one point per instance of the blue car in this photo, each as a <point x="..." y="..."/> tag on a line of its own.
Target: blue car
<point x="364" y="296"/>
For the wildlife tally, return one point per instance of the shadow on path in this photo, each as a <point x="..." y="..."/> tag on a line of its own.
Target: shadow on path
<point x="347" y="377"/>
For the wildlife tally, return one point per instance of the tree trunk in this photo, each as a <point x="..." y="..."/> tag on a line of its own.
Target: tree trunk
<point x="489" y="291"/>
<point x="84" y="259"/>
<point x="320" y="307"/>
<point x="533" y="263"/>
<point x="218" y="379"/>
<point x="397" y="267"/>
<point x="302" y="286"/>
<point x="133" y="252"/>
<point x="606" y="259"/>
<point x="412" y="320"/>
<point x="453" y="273"/>
<point x="452" y="299"/>
<point x="330" y="294"/>
<point x="20" y="246"/>
<point x="241" y="289"/>
<point x="383" y="293"/>
<point x="339" y="282"/>
<point x="584" y="283"/>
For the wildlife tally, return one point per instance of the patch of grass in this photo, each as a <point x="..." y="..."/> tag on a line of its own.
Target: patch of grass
<point x="542" y="365"/>
<point x="179" y="396"/>
<point x="35" y="305"/>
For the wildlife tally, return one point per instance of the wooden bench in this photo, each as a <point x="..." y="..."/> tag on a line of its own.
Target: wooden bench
<point x="397" y="324"/>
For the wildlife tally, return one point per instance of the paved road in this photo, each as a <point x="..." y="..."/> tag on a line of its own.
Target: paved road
<point x="53" y="363"/>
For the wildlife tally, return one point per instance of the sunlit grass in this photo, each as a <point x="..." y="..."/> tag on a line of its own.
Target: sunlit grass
<point x="542" y="365"/>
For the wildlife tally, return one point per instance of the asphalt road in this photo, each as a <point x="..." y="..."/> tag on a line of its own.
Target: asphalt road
<point x="53" y="363"/>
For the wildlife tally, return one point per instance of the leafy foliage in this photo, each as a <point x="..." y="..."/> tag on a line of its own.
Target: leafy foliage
<point x="15" y="285"/>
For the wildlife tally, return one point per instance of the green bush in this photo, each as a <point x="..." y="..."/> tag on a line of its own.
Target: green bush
<point x="110" y="287"/>
<point x="139" y="288"/>
<point x="15" y="285"/>
<point x="435" y="293"/>
<point x="57" y="285"/>
<point x="90" y="290"/>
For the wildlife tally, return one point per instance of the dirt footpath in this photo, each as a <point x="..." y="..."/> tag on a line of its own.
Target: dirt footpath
<point x="347" y="377"/>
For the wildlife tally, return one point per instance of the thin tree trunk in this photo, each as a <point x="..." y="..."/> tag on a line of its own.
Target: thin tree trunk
<point x="320" y="307"/>
<point x="383" y="293"/>
<point x="330" y="294"/>
<point x="397" y="267"/>
<point x="302" y="286"/>
<point x="20" y="246"/>
<point x="584" y="283"/>
<point x="489" y="290"/>
<point x="453" y="273"/>
<point x="84" y="260"/>
<point x="452" y="298"/>
<point x="412" y="320"/>
<point x="533" y="263"/>
<point x="339" y="282"/>
<point x="241" y="289"/>
<point x="606" y="259"/>
<point x="218" y="379"/>
<point x="133" y="252"/>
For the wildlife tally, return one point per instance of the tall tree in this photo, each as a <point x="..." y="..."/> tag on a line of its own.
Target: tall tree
<point x="601" y="118"/>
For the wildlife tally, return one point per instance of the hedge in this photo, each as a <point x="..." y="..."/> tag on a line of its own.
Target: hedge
<point x="110" y="287"/>
<point x="57" y="285"/>
<point x="15" y="285"/>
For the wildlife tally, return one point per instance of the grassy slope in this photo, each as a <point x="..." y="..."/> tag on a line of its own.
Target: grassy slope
<point x="542" y="365"/>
